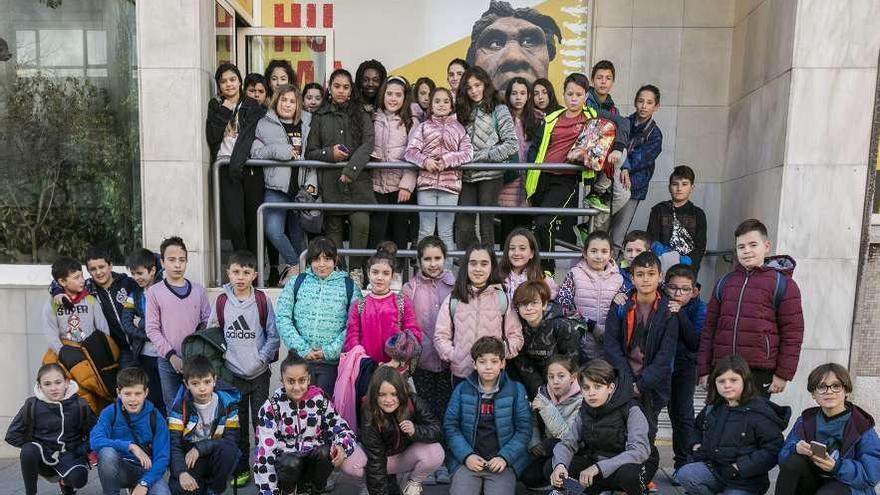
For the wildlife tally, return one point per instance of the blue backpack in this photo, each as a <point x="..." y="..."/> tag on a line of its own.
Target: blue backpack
<point x="778" y="291"/>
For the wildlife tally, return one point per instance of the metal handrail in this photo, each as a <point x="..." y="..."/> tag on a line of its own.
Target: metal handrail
<point x="220" y="162"/>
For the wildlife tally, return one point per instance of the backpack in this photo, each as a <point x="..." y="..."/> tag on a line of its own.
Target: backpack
<point x="211" y="343"/>
<point x="362" y="303"/>
<point x="148" y="447"/>
<point x="262" y="307"/>
<point x="297" y="283"/>
<point x="778" y="290"/>
<point x="30" y="406"/>
<point x="503" y="303"/>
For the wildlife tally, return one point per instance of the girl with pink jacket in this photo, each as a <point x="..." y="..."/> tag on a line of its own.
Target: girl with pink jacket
<point x="439" y="146"/>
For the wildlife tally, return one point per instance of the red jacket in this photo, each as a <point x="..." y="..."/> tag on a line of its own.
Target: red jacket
<point x="745" y="321"/>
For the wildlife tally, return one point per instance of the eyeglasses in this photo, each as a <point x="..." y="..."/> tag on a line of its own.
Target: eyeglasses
<point x="531" y="305"/>
<point x="674" y="289"/>
<point x="833" y="388"/>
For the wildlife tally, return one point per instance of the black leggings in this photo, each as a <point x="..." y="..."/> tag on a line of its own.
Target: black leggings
<point x="294" y="471"/>
<point x="32" y="466"/>
<point x="799" y="476"/>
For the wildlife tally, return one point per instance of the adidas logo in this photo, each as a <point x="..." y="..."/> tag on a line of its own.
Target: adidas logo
<point x="240" y="329"/>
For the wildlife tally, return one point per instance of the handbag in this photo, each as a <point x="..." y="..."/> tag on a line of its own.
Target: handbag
<point x="311" y="221"/>
<point x="680" y="240"/>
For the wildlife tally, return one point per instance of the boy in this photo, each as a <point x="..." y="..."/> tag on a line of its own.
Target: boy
<point x="684" y="300"/>
<point x="755" y="312"/>
<point x="634" y="244"/>
<point x="601" y="81"/>
<point x="111" y="289"/>
<point x="645" y="145"/>
<point x="245" y="314"/>
<point x="174" y="309"/>
<point x="487" y="425"/>
<point x="144" y="267"/>
<point x="203" y="424"/>
<point x="678" y="223"/>
<point x="592" y="451"/>
<point x="131" y="439"/>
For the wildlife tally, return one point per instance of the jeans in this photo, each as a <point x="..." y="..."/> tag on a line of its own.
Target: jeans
<point x="467" y="482"/>
<point x="360" y="233"/>
<point x="443" y="221"/>
<point x="621" y="221"/>
<point x="117" y="473"/>
<point x="482" y="193"/>
<point x="32" y="467"/>
<point x="171" y="381"/>
<point x="277" y="221"/>
<point x="253" y="393"/>
<point x="681" y="412"/>
<point x="212" y="472"/>
<point x="697" y="479"/>
<point x="150" y="365"/>
<point x="323" y="375"/>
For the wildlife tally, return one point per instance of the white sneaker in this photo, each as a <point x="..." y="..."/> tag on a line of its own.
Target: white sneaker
<point x="357" y="275"/>
<point x="412" y="488"/>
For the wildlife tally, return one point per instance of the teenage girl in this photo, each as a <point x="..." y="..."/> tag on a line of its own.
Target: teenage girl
<point x="313" y="96"/>
<point x="521" y="262"/>
<point x="421" y="98"/>
<point x="545" y="96"/>
<point x="526" y="121"/>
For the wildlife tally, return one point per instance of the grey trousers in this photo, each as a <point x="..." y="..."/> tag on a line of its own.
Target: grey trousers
<point x="621" y="221"/>
<point x="467" y="482"/>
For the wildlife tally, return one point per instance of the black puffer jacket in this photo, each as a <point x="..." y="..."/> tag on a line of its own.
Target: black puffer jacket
<point x="748" y="435"/>
<point x="381" y="443"/>
<point x="557" y="334"/>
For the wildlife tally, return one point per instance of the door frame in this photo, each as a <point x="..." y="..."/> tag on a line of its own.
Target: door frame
<point x="244" y="32"/>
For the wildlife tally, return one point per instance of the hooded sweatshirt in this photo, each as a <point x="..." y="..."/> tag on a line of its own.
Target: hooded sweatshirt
<point x="249" y="347"/>
<point x="75" y="323"/>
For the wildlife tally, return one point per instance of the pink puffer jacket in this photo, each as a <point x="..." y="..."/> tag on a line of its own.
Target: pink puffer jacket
<point x="444" y="139"/>
<point x="591" y="292"/>
<point x="390" y="145"/>
<point x="427" y="296"/>
<point x="479" y="317"/>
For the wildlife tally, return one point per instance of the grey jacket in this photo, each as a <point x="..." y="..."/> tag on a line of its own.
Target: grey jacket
<point x="271" y="143"/>
<point x="557" y="418"/>
<point x="75" y="323"/>
<point x="493" y="136"/>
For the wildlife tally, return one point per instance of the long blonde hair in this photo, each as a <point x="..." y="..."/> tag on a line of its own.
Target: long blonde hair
<point x="283" y="90"/>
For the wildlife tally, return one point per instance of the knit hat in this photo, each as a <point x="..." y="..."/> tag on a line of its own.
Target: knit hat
<point x="404" y="347"/>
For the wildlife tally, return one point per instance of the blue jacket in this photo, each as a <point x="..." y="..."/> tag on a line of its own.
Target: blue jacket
<point x="645" y="145"/>
<point x="691" y="319"/>
<point x="858" y="460"/>
<point x="593" y="102"/>
<point x="136" y="305"/>
<point x="513" y="422"/>
<point x="113" y="431"/>
<point x="183" y="418"/>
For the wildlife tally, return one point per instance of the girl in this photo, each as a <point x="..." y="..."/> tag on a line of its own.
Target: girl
<point x="300" y="438"/>
<point x="590" y="286"/>
<point x="421" y="98"/>
<point x="438" y="146"/>
<point x="382" y="313"/>
<point x="477" y="307"/>
<point x="490" y="128"/>
<point x="342" y="132"/>
<point x="312" y="312"/>
<point x="313" y="96"/>
<point x="454" y="74"/>
<point x="851" y="462"/>
<point x="391" y="123"/>
<point x="52" y="430"/>
<point x="559" y="189"/>
<point x="554" y="408"/>
<point x="526" y="121"/>
<point x="400" y="435"/>
<point x="546" y="332"/>
<point x="521" y="262"/>
<point x="278" y="73"/>
<point x="280" y="136"/>
<point x="545" y="96"/>
<point x="739" y="435"/>
<point x="255" y="87"/>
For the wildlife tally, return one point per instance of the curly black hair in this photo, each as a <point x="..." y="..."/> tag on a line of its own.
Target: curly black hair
<point x="499" y="9"/>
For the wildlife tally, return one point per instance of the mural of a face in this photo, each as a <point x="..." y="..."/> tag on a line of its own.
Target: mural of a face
<point x="511" y="47"/>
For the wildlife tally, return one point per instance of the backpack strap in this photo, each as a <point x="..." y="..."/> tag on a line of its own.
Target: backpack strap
<point x="779" y="290"/>
<point x="30" y="406"/>
<point x="361" y="305"/>
<point x="503" y="304"/>
<point x="399" y="299"/>
<point x="297" y="283"/>
<point x="349" y="289"/>
<point x="219" y="308"/>
<point x="719" y="287"/>
<point x="262" y="307"/>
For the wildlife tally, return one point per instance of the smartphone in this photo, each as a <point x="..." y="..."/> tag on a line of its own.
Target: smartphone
<point x="819" y="449"/>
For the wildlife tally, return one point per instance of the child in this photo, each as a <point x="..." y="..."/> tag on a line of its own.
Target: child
<point x="554" y="409"/>
<point x="851" y="460"/>
<point x="526" y="121"/>
<point x="606" y="446"/>
<point x="400" y="435"/>
<point x="174" y="309"/>
<point x="590" y="286"/>
<point x="635" y="243"/>
<point x="300" y="437"/>
<point x="245" y="314"/>
<point x="545" y="96"/>
<point x="455" y="73"/>
<point x="521" y="262"/>
<point x="382" y="313"/>
<point x="602" y="79"/>
<point x="678" y="223"/>
<point x="684" y="300"/>
<point x="739" y="435"/>
<point x="491" y="131"/>
<point x="131" y="439"/>
<point x="144" y="267"/>
<point x="477" y="307"/>
<point x="421" y="99"/>
<point x="764" y="324"/>
<point x="79" y="327"/>
<point x="487" y="425"/>
<point x="203" y="424"/>
<point x="645" y="145"/>
<point x="313" y="96"/>
<point x="313" y="312"/>
<point x="439" y="146"/>
<point x="547" y="332"/>
<point x="256" y="88"/>
<point x="52" y="431"/>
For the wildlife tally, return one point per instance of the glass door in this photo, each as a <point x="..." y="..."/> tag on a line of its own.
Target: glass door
<point x="309" y="51"/>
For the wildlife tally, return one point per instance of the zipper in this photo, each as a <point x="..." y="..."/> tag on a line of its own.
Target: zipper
<point x="738" y="307"/>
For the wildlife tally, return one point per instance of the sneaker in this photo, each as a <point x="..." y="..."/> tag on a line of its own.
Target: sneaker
<point x="430" y="480"/>
<point x="442" y="475"/>
<point x="357" y="275"/>
<point x="93" y="459"/>
<point x="290" y="272"/>
<point x="412" y="488"/>
<point x="652" y="487"/>
<point x="397" y="282"/>
<point x="241" y="479"/>
<point x="594" y="201"/>
<point x="66" y="490"/>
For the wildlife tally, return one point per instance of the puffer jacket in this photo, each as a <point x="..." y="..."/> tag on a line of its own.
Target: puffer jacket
<point x="749" y="435"/>
<point x="390" y="145"/>
<point x="427" y="297"/>
<point x="183" y="417"/>
<point x="481" y="316"/>
<point x="381" y="443"/>
<point x="746" y="322"/>
<point x="440" y="138"/>
<point x="513" y="422"/>
<point x="556" y="334"/>
<point x="271" y="143"/>
<point x="590" y="293"/>
<point x="331" y="125"/>
<point x="553" y="420"/>
<point x="315" y="317"/>
<point x="493" y="137"/>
